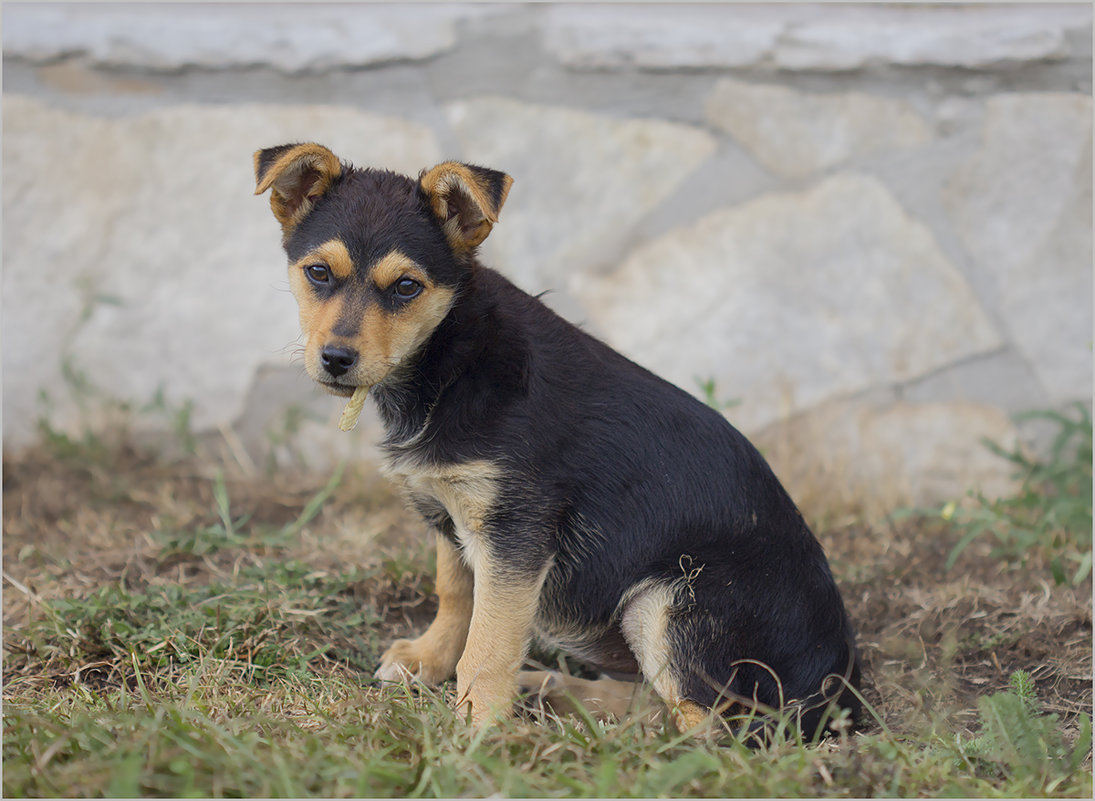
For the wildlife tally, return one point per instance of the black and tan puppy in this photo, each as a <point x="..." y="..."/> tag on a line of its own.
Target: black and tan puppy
<point x="576" y="497"/>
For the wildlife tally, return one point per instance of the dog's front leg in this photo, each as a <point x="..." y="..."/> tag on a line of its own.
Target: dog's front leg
<point x="432" y="657"/>
<point x="506" y="601"/>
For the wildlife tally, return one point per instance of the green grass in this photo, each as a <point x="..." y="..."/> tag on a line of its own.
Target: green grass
<point x="211" y="735"/>
<point x="255" y="620"/>
<point x="711" y="397"/>
<point x="259" y="686"/>
<point x="227" y="651"/>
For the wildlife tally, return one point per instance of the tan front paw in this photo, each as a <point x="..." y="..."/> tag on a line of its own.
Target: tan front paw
<point x="485" y="710"/>
<point x="413" y="659"/>
<point x="486" y="701"/>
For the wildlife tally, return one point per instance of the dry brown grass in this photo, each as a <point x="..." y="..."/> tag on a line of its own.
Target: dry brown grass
<point x="933" y="641"/>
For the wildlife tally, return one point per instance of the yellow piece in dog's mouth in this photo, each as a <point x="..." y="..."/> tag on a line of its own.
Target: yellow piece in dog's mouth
<point x="353" y="409"/>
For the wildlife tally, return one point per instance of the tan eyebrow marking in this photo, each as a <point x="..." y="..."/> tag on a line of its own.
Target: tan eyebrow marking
<point x="334" y="254"/>
<point x="397" y="265"/>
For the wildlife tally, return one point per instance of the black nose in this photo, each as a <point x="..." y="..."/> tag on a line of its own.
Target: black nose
<point x="337" y="360"/>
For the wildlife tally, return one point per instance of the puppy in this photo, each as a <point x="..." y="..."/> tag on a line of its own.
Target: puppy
<point x="576" y="497"/>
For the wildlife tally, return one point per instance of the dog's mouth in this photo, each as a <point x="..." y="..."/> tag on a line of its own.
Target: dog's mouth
<point x="342" y="390"/>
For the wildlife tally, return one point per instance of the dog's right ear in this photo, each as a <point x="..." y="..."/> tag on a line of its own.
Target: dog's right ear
<point x="298" y="175"/>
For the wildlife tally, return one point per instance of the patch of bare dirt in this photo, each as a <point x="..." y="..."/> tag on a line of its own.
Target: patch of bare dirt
<point x="933" y="639"/>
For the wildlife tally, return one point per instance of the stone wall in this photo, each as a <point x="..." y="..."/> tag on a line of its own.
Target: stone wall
<point x="870" y="226"/>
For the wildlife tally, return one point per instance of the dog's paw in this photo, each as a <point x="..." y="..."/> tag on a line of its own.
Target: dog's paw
<point x="410" y="660"/>
<point x="604" y="698"/>
<point x="538" y="685"/>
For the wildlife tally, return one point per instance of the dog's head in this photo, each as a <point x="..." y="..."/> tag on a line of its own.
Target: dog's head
<point x="376" y="259"/>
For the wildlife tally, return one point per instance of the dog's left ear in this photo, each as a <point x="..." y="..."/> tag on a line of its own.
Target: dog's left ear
<point x="298" y="175"/>
<point x="466" y="199"/>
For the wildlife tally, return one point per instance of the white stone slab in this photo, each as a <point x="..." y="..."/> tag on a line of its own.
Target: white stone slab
<point x="661" y="36"/>
<point x="1022" y="206"/>
<point x="135" y="248"/>
<point x="796" y="134"/>
<point x="581" y="181"/>
<point x="792" y="299"/>
<point x="815" y="36"/>
<point x="968" y="36"/>
<point x="843" y="455"/>
<point x="286" y="36"/>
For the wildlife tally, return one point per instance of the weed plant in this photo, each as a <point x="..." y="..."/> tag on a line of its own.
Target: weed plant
<point x="1051" y="512"/>
<point x="1018" y="740"/>
<point x="1049" y="517"/>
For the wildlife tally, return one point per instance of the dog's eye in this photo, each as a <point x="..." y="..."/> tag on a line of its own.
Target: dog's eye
<point x="407" y="288"/>
<point x="318" y="273"/>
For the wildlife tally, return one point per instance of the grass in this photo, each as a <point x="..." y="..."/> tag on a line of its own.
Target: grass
<point x="215" y="735"/>
<point x="177" y="628"/>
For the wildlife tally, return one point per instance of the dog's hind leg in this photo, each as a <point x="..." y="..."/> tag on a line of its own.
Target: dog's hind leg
<point x="562" y="694"/>
<point x="645" y="625"/>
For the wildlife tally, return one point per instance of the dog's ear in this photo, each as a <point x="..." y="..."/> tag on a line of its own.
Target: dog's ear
<point x="466" y="199"/>
<point x="298" y="176"/>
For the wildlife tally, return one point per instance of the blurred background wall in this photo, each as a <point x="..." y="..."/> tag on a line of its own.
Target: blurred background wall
<point x="864" y="230"/>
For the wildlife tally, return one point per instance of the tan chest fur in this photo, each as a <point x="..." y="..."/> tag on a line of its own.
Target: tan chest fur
<point x="466" y="491"/>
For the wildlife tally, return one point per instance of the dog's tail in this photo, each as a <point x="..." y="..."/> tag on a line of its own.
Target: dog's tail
<point x="834" y="707"/>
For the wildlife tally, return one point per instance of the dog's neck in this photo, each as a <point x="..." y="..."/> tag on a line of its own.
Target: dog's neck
<point x="461" y="346"/>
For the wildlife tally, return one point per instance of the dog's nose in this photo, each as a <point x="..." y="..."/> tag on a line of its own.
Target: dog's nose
<point x="337" y="360"/>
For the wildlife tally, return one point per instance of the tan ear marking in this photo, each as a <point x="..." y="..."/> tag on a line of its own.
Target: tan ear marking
<point x="466" y="199"/>
<point x="298" y="175"/>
